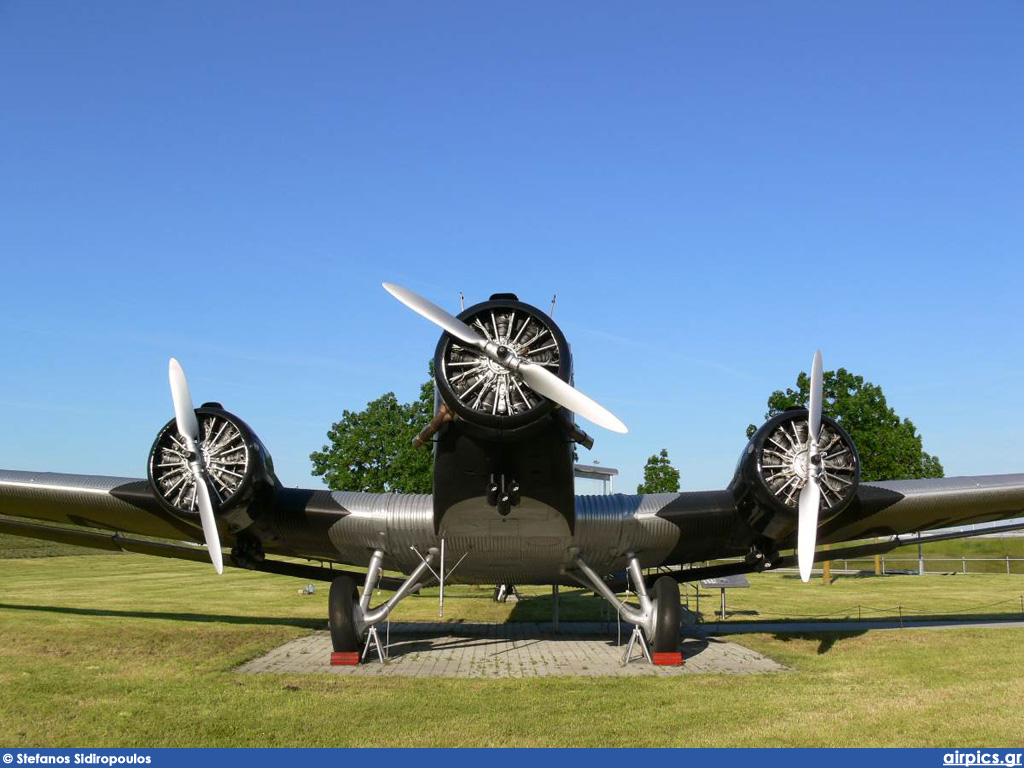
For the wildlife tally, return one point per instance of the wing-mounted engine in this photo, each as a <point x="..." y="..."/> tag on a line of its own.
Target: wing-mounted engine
<point x="487" y="395"/>
<point x="239" y="467"/>
<point x="773" y="470"/>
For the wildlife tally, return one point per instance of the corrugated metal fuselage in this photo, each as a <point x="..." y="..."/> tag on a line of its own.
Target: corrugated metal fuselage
<point x="532" y="544"/>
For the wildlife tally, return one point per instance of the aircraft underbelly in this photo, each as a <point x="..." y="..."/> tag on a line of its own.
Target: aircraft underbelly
<point x="532" y="544"/>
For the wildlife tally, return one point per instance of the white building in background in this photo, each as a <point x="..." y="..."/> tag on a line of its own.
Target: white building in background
<point x="593" y="478"/>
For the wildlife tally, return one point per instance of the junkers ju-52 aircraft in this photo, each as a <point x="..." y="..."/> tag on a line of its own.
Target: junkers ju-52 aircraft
<point x="503" y="508"/>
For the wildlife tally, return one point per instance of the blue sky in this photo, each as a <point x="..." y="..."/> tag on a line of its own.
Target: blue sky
<point x="712" y="191"/>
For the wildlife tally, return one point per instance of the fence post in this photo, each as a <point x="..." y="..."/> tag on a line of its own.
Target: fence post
<point x="965" y="563"/>
<point x="883" y="565"/>
<point x="1007" y="565"/>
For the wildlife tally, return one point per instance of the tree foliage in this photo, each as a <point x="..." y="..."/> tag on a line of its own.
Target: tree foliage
<point x="659" y="475"/>
<point x="890" y="448"/>
<point x="371" y="450"/>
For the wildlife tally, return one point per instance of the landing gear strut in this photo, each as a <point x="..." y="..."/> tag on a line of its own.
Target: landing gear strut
<point x="656" y="622"/>
<point x="505" y="592"/>
<point x="351" y="618"/>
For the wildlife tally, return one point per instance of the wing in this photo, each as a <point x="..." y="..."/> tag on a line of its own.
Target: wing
<point x="908" y="506"/>
<point x="708" y="526"/>
<point x="300" y="525"/>
<point x="93" y="501"/>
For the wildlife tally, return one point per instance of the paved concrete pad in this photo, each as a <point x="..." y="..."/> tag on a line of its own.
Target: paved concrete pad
<point x="507" y="650"/>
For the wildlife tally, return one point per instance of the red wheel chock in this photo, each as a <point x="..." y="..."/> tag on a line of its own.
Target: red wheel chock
<point x="668" y="658"/>
<point x="344" y="658"/>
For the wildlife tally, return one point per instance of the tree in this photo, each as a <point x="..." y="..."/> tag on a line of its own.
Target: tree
<point x="371" y="450"/>
<point x="890" y="448"/>
<point x="659" y="475"/>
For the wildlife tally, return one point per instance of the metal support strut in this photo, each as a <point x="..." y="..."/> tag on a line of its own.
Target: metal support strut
<point x="367" y="619"/>
<point x="637" y="638"/>
<point x="642" y="620"/>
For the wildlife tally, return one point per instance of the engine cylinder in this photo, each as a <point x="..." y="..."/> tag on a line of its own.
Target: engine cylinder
<point x="773" y="470"/>
<point x="484" y="393"/>
<point x="238" y="464"/>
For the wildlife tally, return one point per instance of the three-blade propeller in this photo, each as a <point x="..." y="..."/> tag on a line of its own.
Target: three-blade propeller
<point x="538" y="378"/>
<point x="188" y="428"/>
<point x="810" y="495"/>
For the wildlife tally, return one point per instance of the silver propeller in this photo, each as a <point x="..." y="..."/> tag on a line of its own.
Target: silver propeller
<point x="188" y="428"/>
<point x="810" y="495"/>
<point x="540" y="379"/>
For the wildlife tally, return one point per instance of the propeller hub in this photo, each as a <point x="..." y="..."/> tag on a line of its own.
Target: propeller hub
<point x="798" y="465"/>
<point x="527" y="348"/>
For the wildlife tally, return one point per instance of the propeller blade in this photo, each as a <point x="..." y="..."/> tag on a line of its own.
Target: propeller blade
<point x="184" y="413"/>
<point x="545" y="383"/>
<point x="436" y="315"/>
<point x="810" y="495"/>
<point x="210" y="532"/>
<point x="188" y="428"/>
<point x="814" y="406"/>
<point x="541" y="380"/>
<point x="807" y="532"/>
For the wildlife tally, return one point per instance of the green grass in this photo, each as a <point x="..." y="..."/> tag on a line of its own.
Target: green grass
<point x="946" y="555"/>
<point x="977" y="547"/>
<point x="13" y="547"/>
<point x="774" y="597"/>
<point x="122" y="650"/>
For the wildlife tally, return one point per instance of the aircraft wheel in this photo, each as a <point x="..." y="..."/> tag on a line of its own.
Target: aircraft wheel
<point x="341" y="612"/>
<point x="667" y="615"/>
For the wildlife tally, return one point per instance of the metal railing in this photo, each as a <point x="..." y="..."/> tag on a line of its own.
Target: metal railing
<point x="889" y="565"/>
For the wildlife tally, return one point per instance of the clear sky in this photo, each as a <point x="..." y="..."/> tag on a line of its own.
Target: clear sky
<point x="712" y="191"/>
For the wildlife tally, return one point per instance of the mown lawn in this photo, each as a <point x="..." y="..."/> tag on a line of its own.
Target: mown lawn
<point x="123" y="650"/>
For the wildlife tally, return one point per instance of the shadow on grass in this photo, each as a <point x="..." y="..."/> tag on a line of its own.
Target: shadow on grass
<point x="213" y="618"/>
<point x="573" y="605"/>
<point x="826" y="640"/>
<point x="882" y="621"/>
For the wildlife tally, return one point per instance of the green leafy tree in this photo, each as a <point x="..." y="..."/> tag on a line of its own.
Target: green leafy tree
<point x="659" y="475"/>
<point x="371" y="450"/>
<point x="890" y="448"/>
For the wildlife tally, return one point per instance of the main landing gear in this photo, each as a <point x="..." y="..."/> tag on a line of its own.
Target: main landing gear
<point x="353" y="622"/>
<point x="504" y="593"/>
<point x="655" y="624"/>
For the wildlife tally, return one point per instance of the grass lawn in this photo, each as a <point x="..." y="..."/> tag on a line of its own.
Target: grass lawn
<point x="123" y="650"/>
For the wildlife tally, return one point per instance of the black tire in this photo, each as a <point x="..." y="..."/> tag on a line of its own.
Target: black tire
<point x="341" y="614"/>
<point x="666" y="615"/>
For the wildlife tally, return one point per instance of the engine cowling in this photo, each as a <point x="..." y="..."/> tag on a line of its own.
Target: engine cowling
<point x="485" y="394"/>
<point x="773" y="469"/>
<point x="240" y="467"/>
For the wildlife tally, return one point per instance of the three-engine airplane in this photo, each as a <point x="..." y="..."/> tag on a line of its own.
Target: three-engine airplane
<point x="503" y="508"/>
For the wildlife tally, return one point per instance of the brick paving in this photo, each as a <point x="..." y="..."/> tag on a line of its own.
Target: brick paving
<point x="508" y="650"/>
